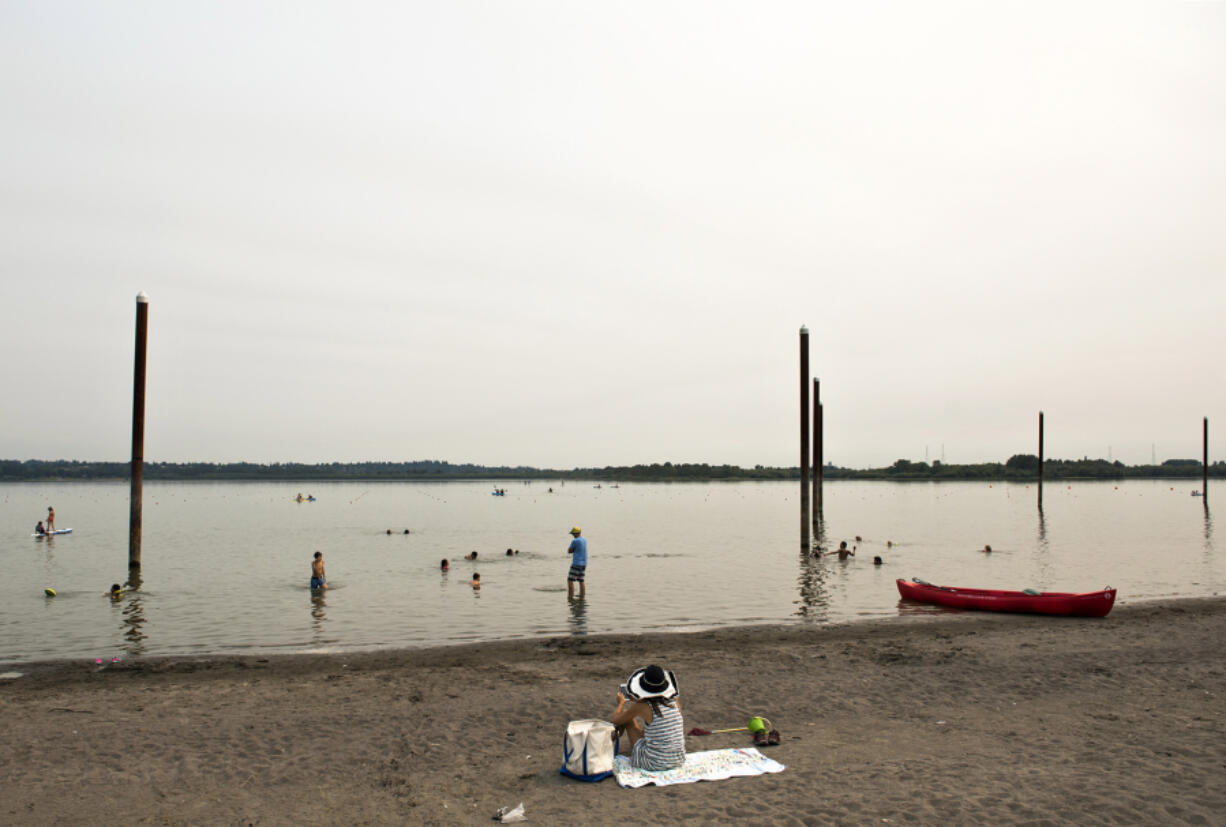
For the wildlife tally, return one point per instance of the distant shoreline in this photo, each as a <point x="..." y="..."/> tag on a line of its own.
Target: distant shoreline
<point x="1019" y="468"/>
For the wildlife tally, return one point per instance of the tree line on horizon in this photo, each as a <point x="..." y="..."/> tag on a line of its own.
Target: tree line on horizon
<point x="1019" y="467"/>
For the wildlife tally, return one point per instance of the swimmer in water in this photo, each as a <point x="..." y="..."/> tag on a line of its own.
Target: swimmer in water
<point x="843" y="551"/>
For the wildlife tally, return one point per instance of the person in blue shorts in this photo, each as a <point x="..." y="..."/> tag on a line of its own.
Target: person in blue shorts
<point x="318" y="580"/>
<point x="578" y="564"/>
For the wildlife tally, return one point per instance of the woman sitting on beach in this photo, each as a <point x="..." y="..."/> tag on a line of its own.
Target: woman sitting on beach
<point x="649" y="715"/>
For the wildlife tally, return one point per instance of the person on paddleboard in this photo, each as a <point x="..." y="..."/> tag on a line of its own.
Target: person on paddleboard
<point x="50" y="519"/>
<point x="38" y="529"/>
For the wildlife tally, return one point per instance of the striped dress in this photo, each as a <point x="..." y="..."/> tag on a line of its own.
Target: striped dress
<point x="662" y="746"/>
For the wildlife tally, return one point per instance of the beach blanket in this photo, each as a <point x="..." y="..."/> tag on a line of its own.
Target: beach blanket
<point x="711" y="765"/>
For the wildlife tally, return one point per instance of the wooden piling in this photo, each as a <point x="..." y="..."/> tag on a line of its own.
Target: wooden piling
<point x="1040" y="459"/>
<point x="138" y="439"/>
<point x="818" y="459"/>
<point x="805" y="510"/>
<point x="821" y="450"/>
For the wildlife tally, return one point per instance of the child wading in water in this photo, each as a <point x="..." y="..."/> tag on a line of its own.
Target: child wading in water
<point x="318" y="581"/>
<point x="843" y="551"/>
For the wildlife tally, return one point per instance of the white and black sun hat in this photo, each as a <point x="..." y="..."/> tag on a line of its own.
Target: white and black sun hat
<point x="652" y="682"/>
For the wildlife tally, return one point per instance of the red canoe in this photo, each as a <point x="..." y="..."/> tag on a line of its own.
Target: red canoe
<point x="1088" y="604"/>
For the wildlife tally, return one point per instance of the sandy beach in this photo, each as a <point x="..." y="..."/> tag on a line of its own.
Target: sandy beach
<point x="946" y="719"/>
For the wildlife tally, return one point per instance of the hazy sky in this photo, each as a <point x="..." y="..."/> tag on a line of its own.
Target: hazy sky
<point x="569" y="234"/>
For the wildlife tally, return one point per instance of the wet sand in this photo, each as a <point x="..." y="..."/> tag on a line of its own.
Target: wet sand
<point x="945" y="719"/>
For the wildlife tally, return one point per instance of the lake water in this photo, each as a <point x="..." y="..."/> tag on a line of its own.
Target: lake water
<point x="226" y="565"/>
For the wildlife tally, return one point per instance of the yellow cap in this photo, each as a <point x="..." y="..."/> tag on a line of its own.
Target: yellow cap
<point x="575" y="530"/>
<point x="50" y="592"/>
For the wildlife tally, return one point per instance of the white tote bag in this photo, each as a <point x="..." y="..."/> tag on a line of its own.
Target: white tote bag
<point x="588" y="749"/>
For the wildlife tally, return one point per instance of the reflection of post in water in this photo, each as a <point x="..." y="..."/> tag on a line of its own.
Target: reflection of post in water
<point x="1042" y="531"/>
<point x="134" y="624"/>
<point x="813" y="603"/>
<point x="1043" y="559"/>
<point x="1208" y="526"/>
<point x="578" y="617"/>
<point x="319" y="613"/>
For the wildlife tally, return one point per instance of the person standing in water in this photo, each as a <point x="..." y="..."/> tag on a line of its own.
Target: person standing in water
<point x="318" y="580"/>
<point x="578" y="564"/>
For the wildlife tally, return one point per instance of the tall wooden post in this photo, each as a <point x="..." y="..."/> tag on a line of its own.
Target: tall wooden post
<point x="818" y="474"/>
<point x="1204" y="466"/>
<point x="1040" y="459"/>
<point x="138" y="438"/>
<point x="821" y="449"/>
<point x="805" y="510"/>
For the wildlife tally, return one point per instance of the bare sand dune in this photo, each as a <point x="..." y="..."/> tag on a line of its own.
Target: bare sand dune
<point x="950" y="719"/>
